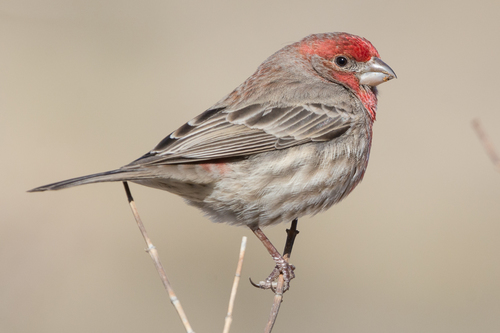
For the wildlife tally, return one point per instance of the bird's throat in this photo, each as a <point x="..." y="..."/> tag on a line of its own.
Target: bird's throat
<point x="369" y="99"/>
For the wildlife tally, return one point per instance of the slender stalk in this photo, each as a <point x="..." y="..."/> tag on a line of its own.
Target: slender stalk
<point x="278" y="295"/>
<point x="237" y="275"/>
<point x="488" y="146"/>
<point x="151" y="249"/>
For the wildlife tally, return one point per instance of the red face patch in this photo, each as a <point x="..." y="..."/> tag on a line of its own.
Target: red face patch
<point x="328" y="46"/>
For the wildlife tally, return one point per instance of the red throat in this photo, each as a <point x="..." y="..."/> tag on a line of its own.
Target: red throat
<point x="367" y="96"/>
<point x="369" y="100"/>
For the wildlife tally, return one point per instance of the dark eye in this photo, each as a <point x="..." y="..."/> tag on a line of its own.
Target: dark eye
<point x="341" y="61"/>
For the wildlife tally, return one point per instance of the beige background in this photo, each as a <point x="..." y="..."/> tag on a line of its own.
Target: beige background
<point x="87" y="86"/>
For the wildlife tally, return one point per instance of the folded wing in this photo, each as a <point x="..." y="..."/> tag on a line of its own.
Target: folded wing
<point x="222" y="133"/>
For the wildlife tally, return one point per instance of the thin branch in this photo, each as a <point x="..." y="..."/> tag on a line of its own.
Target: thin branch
<point x="278" y="295"/>
<point x="237" y="275"/>
<point x="156" y="259"/>
<point x="483" y="137"/>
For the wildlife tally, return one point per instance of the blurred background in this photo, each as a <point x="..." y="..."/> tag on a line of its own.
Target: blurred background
<point x="88" y="86"/>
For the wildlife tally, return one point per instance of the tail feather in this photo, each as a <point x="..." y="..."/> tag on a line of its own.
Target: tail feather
<point x="108" y="176"/>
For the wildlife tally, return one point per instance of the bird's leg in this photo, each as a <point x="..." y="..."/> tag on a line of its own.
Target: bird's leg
<point x="281" y="265"/>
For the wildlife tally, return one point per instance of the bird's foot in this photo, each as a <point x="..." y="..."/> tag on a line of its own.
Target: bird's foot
<point x="282" y="267"/>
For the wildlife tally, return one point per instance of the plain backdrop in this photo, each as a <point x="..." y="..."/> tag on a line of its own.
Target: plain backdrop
<point x="88" y="86"/>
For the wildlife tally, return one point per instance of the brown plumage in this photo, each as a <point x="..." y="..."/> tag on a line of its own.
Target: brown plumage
<point x="293" y="139"/>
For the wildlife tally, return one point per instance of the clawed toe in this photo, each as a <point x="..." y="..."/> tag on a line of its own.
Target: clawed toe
<point x="264" y="285"/>
<point x="271" y="283"/>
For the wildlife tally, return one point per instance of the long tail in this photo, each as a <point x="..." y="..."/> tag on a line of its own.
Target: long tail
<point x="108" y="176"/>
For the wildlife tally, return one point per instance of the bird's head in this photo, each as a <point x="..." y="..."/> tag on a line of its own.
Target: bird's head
<point x="349" y="60"/>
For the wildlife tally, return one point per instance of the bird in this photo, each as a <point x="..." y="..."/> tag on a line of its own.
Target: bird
<point x="291" y="140"/>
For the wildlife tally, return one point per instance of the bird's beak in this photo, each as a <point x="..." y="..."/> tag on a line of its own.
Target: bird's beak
<point x="376" y="72"/>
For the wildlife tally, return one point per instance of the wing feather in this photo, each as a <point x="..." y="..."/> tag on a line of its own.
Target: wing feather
<point x="222" y="133"/>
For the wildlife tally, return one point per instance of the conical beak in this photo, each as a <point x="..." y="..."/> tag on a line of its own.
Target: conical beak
<point x="376" y="72"/>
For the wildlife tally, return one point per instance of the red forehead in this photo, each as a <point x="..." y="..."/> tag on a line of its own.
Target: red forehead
<point x="329" y="45"/>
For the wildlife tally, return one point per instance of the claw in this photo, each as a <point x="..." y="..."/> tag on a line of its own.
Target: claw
<point x="282" y="266"/>
<point x="270" y="282"/>
<point x="255" y="284"/>
<point x="264" y="285"/>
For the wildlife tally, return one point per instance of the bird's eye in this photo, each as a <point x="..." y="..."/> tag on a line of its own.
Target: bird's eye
<point x="341" y="61"/>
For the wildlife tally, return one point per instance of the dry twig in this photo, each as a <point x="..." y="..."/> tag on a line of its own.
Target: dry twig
<point x="237" y="275"/>
<point x="154" y="255"/>
<point x="278" y="295"/>
<point x="490" y="150"/>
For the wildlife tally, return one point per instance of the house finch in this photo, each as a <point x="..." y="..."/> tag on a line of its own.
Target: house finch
<point x="291" y="140"/>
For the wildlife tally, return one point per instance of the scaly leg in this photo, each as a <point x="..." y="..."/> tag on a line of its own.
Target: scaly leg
<point x="281" y="265"/>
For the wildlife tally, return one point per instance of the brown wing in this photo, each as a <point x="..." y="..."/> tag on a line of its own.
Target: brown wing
<point x="223" y="133"/>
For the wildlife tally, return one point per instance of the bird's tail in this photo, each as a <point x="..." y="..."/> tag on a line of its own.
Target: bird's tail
<point x="108" y="176"/>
